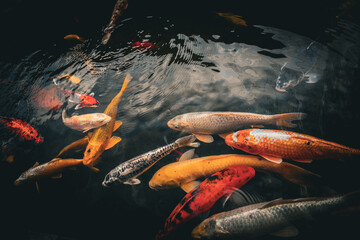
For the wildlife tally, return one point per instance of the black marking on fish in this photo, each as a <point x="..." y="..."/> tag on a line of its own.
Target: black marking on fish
<point x="187" y="207"/>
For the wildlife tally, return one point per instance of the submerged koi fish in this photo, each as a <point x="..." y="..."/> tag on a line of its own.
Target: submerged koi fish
<point x="274" y="145"/>
<point x="73" y="37"/>
<point x="47" y="98"/>
<point x="22" y="129"/>
<point x="85" y="122"/>
<point x="275" y="217"/>
<point x="127" y="172"/>
<point x="236" y="19"/>
<point x="119" y="8"/>
<point x="185" y="172"/>
<point x="203" y="197"/>
<point x="70" y="77"/>
<point x="50" y="169"/>
<point x="82" y="100"/>
<point x="77" y="144"/>
<point x="101" y="139"/>
<point x="142" y="45"/>
<point x="204" y="124"/>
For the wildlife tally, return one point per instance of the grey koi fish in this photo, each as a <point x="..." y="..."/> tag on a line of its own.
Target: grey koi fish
<point x="275" y="217"/>
<point x="204" y="124"/>
<point x="127" y="172"/>
<point x="119" y="8"/>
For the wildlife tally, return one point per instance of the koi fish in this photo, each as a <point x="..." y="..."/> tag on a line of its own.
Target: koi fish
<point x="119" y="8"/>
<point x="8" y="154"/>
<point x="204" y="124"/>
<point x="77" y="144"/>
<point x="127" y="172"/>
<point x="22" y="129"/>
<point x="236" y="19"/>
<point x="142" y="45"/>
<point x="274" y="145"/>
<point x="73" y="37"/>
<point x="275" y="217"/>
<point x="47" y="98"/>
<point x="185" y="172"/>
<point x="101" y="139"/>
<point x="298" y="68"/>
<point x="203" y="197"/>
<point x="70" y="77"/>
<point x="85" y="122"/>
<point x="82" y="100"/>
<point x="50" y="169"/>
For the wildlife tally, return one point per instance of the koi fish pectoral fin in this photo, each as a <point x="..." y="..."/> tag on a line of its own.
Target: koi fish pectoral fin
<point x="204" y="138"/>
<point x="113" y="141"/>
<point x="223" y="135"/>
<point x="304" y="160"/>
<point x="187" y="155"/>
<point x="133" y="181"/>
<point x="187" y="187"/>
<point x="57" y="176"/>
<point x="117" y="125"/>
<point x="311" y="78"/>
<point x="272" y="159"/>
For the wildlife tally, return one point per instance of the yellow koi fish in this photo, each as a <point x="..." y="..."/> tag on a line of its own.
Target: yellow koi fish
<point x="184" y="173"/>
<point x="85" y="122"/>
<point x="73" y="37"/>
<point x="101" y="139"/>
<point x="236" y="19"/>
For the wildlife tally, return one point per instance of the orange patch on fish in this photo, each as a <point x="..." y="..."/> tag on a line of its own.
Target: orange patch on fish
<point x="73" y="37"/>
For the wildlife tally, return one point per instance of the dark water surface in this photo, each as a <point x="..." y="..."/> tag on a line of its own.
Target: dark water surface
<point x="200" y="62"/>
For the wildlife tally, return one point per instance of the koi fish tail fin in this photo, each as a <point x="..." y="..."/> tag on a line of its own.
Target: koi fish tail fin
<point x="299" y="175"/>
<point x="286" y="119"/>
<point x="187" y="141"/>
<point x="125" y="83"/>
<point x="352" y="198"/>
<point x="106" y="38"/>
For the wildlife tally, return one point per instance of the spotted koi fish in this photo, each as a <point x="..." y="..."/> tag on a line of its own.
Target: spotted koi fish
<point x="82" y="99"/>
<point x="127" y="172"/>
<point x="22" y="129"/>
<point x="274" y="145"/>
<point x="203" y="197"/>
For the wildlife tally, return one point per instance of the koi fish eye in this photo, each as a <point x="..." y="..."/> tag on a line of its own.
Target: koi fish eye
<point x="88" y="150"/>
<point x="176" y="126"/>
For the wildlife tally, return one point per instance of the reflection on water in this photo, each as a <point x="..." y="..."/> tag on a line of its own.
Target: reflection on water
<point x="183" y="72"/>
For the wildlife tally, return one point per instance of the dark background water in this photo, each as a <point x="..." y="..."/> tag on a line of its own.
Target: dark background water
<point x="192" y="70"/>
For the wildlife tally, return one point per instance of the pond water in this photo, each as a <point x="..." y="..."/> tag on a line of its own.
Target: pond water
<point x="199" y="61"/>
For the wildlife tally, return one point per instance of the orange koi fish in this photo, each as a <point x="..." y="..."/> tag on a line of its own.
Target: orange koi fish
<point x="85" y="122"/>
<point x="204" y="124"/>
<point x="274" y="145"/>
<point x="101" y="139"/>
<point x="73" y="37"/>
<point x="203" y="197"/>
<point x="77" y="144"/>
<point x="70" y="77"/>
<point x="22" y="129"/>
<point x="50" y="169"/>
<point x="236" y="19"/>
<point x="185" y="172"/>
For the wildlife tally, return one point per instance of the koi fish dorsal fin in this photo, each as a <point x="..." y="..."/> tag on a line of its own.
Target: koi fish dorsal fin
<point x="204" y="138"/>
<point x="113" y="141"/>
<point x="187" y="187"/>
<point x="187" y="155"/>
<point x="117" y="125"/>
<point x="272" y="159"/>
<point x="36" y="164"/>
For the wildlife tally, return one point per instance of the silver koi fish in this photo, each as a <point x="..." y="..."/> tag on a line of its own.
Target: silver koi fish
<point x="119" y="8"/>
<point x="127" y="172"/>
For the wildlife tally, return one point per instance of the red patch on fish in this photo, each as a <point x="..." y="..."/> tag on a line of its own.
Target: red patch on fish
<point x="47" y="98"/>
<point x="88" y="101"/>
<point x="22" y="129"/>
<point x="142" y="45"/>
<point x="203" y="197"/>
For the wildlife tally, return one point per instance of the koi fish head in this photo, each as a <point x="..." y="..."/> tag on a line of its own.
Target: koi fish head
<point x="242" y="140"/>
<point x="179" y="123"/>
<point x="288" y="78"/>
<point x="162" y="180"/>
<point x="88" y="101"/>
<point x="110" y="179"/>
<point x="91" y="154"/>
<point x="100" y="119"/>
<point x="205" y="230"/>
<point x="24" y="178"/>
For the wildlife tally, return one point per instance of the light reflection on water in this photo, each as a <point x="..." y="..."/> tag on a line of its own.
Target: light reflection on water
<point x="182" y="73"/>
